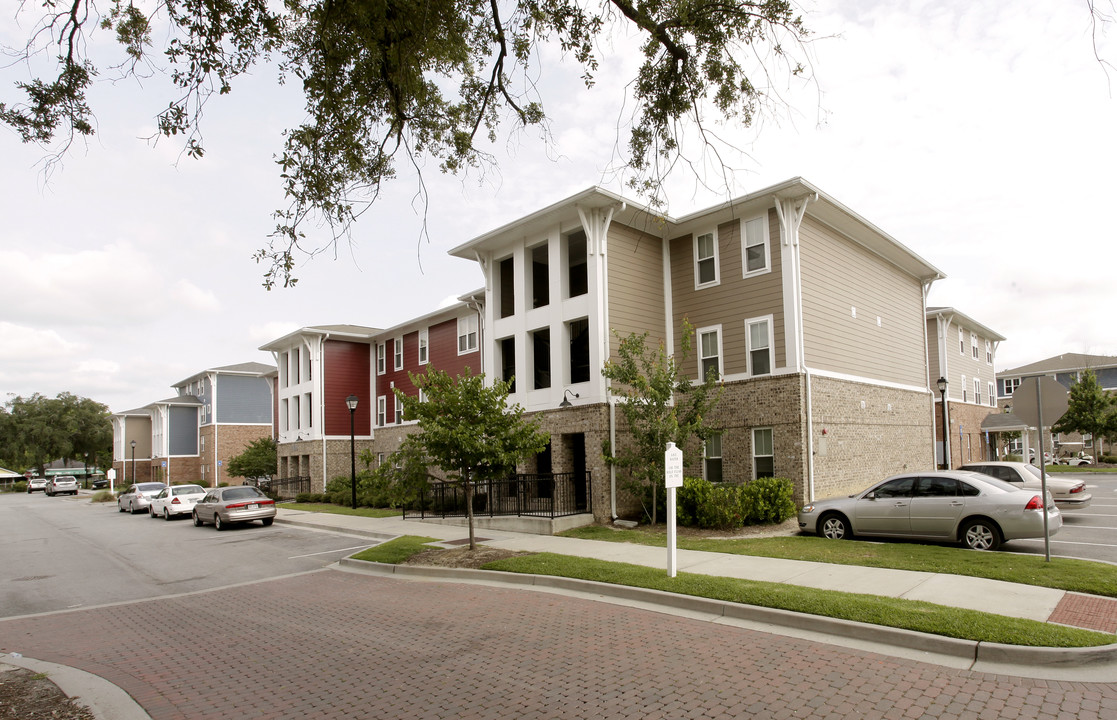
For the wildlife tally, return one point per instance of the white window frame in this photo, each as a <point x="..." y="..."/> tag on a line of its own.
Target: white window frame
<point x="754" y="453"/>
<point x="988" y="352"/>
<point x="467" y="326"/>
<point x="977" y="390"/>
<point x="961" y="342"/>
<point x="992" y="394"/>
<point x="706" y="456"/>
<point x="381" y="410"/>
<point x="973" y="346"/>
<point x="399" y="410"/>
<point x="381" y="359"/>
<point x="771" y="343"/>
<point x="701" y="358"/>
<point x="424" y="346"/>
<point x="764" y="241"/>
<point x="397" y="353"/>
<point x="1014" y="382"/>
<point x="965" y="390"/>
<point x="715" y="257"/>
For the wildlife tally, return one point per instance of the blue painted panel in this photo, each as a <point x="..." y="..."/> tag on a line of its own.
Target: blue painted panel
<point x="243" y="399"/>
<point x="183" y="430"/>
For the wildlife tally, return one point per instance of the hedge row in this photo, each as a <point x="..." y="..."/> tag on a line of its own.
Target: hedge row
<point x="719" y="505"/>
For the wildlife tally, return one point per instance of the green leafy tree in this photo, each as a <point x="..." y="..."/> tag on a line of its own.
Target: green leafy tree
<point x="37" y="430"/>
<point x="468" y="430"/>
<point x="1088" y="409"/>
<point x="429" y="82"/>
<point x="258" y="461"/>
<point x="661" y="405"/>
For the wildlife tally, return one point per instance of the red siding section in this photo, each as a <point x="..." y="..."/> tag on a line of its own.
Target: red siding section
<point x="444" y="350"/>
<point x="443" y="353"/>
<point x="346" y="372"/>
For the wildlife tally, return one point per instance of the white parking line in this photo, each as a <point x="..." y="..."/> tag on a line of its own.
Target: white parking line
<point x="1087" y="527"/>
<point x="1066" y="542"/>
<point x="327" y="552"/>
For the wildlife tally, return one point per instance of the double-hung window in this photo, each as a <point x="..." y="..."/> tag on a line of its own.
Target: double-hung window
<point x="965" y="390"/>
<point x="992" y="395"/>
<point x="709" y="352"/>
<point x="399" y="410"/>
<point x="467" y="334"/>
<point x="712" y="453"/>
<point x="763" y="454"/>
<point x="424" y="346"/>
<point x="397" y="347"/>
<point x="977" y="390"/>
<point x="989" y="352"/>
<point x="1010" y="386"/>
<point x="961" y="342"/>
<point x="706" y="270"/>
<point x="381" y="411"/>
<point x="755" y="253"/>
<point x="758" y="335"/>
<point x="381" y="359"/>
<point x="973" y="345"/>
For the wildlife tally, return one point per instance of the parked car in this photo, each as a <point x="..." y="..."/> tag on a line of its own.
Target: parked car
<point x="175" y="500"/>
<point x="61" y="485"/>
<point x="138" y="497"/>
<point x="225" y="506"/>
<point x="1079" y="458"/>
<point x="100" y="483"/>
<point x="36" y="483"/>
<point x="1069" y="494"/>
<point x="976" y="510"/>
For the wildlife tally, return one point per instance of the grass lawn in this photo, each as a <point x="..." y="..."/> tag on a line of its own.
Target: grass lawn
<point x="1061" y="573"/>
<point x="888" y="612"/>
<point x="342" y="510"/>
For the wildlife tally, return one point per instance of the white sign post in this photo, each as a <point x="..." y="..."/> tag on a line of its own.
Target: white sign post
<point x="111" y="474"/>
<point x="673" y="475"/>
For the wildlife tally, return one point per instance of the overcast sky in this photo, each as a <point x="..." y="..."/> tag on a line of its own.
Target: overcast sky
<point x="980" y="135"/>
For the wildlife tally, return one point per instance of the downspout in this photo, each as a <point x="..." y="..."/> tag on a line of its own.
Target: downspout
<point x="944" y="371"/>
<point x="322" y="401"/>
<point x="216" y="462"/>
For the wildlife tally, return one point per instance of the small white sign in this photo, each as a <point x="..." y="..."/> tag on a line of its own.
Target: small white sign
<point x="111" y="474"/>
<point x="673" y="460"/>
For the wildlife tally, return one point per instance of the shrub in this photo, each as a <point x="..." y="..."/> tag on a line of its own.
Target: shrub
<point x="770" y="500"/>
<point x="1014" y="458"/>
<point x="715" y="505"/>
<point x="1108" y="459"/>
<point x="19" y="486"/>
<point x="102" y="496"/>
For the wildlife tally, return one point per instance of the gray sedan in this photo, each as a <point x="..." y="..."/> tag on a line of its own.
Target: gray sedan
<point x="976" y="510"/>
<point x="1070" y="494"/>
<point x="227" y="505"/>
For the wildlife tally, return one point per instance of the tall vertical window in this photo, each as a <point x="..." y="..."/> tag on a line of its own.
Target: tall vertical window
<point x="467" y="334"/>
<point x="992" y="395"/>
<point x="965" y="390"/>
<point x="759" y="339"/>
<point x="763" y="455"/>
<point x="309" y="403"/>
<point x="296" y="412"/>
<point x="755" y="254"/>
<point x="977" y="391"/>
<point x="579" y="351"/>
<point x="381" y="411"/>
<point x="705" y="260"/>
<point x="399" y="410"/>
<point x="973" y="345"/>
<point x="381" y="359"/>
<point x="989" y="352"/>
<point x="577" y="278"/>
<point x="424" y="346"/>
<point x="709" y="352"/>
<point x="507" y="272"/>
<point x="961" y="342"/>
<point x="295" y="366"/>
<point x="284" y="376"/>
<point x="284" y="415"/>
<point x="397" y="352"/>
<point x="540" y="277"/>
<point x="541" y="358"/>
<point x="712" y="453"/>
<point x="508" y="362"/>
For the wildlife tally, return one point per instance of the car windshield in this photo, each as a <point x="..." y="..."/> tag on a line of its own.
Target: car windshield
<point x="242" y="493"/>
<point x="188" y="490"/>
<point x="1035" y="471"/>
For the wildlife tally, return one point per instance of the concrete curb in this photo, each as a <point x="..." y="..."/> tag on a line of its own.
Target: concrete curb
<point x="975" y="652"/>
<point x="104" y="699"/>
<point x="343" y="530"/>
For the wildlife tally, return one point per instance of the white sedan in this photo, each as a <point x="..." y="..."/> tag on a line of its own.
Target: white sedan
<point x="175" y="500"/>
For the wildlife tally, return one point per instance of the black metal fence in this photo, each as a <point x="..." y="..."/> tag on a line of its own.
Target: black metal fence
<point x="533" y="494"/>
<point x="286" y="488"/>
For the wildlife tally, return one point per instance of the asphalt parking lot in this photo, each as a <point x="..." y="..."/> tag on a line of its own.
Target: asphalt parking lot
<point x="1090" y="533"/>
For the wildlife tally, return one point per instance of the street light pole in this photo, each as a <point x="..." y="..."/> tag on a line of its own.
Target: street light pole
<point x="85" y="470"/>
<point x="351" y="403"/>
<point x="133" y="462"/>
<point x="945" y="429"/>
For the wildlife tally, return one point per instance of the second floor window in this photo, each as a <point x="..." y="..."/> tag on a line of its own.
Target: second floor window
<point x="1010" y="385"/>
<point x="399" y="410"/>
<point x="580" y="351"/>
<point x="989" y="352"/>
<point x="977" y="391"/>
<point x="973" y="345"/>
<point x="381" y="354"/>
<point x="577" y="278"/>
<point x="381" y="411"/>
<point x="541" y="358"/>
<point x="397" y="347"/>
<point x="508" y="362"/>
<point x="424" y="346"/>
<point x="706" y="260"/>
<point x="540" y="277"/>
<point x="759" y="346"/>
<point x="467" y="334"/>
<point x="754" y="246"/>
<point x="709" y="352"/>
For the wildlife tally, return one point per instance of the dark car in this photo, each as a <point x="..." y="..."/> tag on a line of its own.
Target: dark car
<point x="227" y="505"/>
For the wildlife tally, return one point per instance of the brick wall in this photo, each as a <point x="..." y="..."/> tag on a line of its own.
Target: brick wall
<point x="967" y="442"/>
<point x="231" y="440"/>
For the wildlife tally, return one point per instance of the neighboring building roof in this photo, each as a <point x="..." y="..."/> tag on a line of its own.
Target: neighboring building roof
<point x="346" y="332"/>
<point x="1002" y="422"/>
<point x="6" y="473"/>
<point x="144" y="412"/>
<point x="446" y="312"/>
<point x="248" y="368"/>
<point x="966" y="320"/>
<point x="178" y="400"/>
<point x="824" y="207"/>
<point x="1067" y="362"/>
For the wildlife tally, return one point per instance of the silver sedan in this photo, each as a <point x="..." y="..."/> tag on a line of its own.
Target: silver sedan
<point x="976" y="510"/>
<point x="1070" y="494"/>
<point x="227" y="505"/>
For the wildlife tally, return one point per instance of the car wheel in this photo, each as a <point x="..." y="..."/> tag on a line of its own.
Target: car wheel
<point x="151" y="511"/>
<point x="197" y="520"/>
<point x="217" y="524"/>
<point x="119" y="507"/>
<point x="131" y="508"/>
<point x="166" y="515"/>
<point x="267" y="521"/>
<point x="834" y="527"/>
<point x="981" y="535"/>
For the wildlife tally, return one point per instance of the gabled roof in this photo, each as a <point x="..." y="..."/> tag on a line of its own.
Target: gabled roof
<point x="966" y="320"/>
<point x="1002" y="422"/>
<point x="823" y="207"/>
<point x="185" y="400"/>
<point x="249" y="368"/>
<point x="142" y="412"/>
<point x="355" y="333"/>
<point x="1067" y="362"/>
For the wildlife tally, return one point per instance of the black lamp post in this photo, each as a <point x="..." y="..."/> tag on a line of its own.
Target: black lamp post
<point x="133" y="462"/>
<point x="85" y="469"/>
<point x="945" y="429"/>
<point x="351" y="403"/>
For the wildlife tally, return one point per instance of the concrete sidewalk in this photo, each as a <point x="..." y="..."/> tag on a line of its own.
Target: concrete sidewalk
<point x="1002" y="598"/>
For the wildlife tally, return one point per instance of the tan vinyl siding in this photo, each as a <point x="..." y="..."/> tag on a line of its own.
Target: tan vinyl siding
<point x="733" y="301"/>
<point x="838" y="275"/>
<point x="636" y="302"/>
<point x="933" y="345"/>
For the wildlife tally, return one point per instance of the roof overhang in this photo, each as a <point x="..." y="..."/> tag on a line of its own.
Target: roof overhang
<point x="935" y="312"/>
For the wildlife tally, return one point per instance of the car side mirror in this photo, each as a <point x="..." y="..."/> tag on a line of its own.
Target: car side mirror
<point x="870" y="496"/>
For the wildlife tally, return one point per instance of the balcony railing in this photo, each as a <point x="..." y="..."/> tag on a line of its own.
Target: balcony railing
<point x="548" y="495"/>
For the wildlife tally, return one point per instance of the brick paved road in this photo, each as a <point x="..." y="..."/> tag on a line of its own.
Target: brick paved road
<point x="336" y="645"/>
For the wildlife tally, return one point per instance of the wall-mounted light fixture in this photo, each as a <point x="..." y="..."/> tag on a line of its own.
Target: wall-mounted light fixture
<point x="565" y="399"/>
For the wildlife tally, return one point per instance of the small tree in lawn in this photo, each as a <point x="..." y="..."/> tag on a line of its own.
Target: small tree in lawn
<point x="1088" y="410"/>
<point x="661" y="405"/>
<point x="258" y="461"/>
<point x="468" y="430"/>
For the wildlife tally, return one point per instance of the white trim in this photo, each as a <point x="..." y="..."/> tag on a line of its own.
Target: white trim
<point x="720" y="355"/>
<point x="424" y="346"/>
<point x="715" y="256"/>
<point x="765" y="242"/>
<point x="398" y="409"/>
<point x="472" y="327"/>
<point x="749" y="322"/>
<point x="381" y="410"/>
<point x="381" y="358"/>
<point x="754" y="456"/>
<point x="397" y="353"/>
